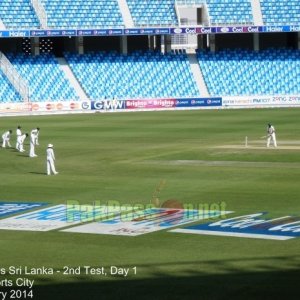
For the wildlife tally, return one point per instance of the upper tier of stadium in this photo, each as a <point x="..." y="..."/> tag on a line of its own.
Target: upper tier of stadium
<point x="146" y="75"/>
<point x="57" y="14"/>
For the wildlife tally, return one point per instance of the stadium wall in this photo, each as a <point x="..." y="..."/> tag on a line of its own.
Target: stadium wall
<point x="105" y="106"/>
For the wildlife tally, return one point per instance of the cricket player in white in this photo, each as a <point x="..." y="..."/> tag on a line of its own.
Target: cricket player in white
<point x="50" y="160"/>
<point x="33" y="137"/>
<point x="36" y="131"/>
<point x="18" y="134"/>
<point x="271" y="136"/>
<point x="21" y="142"/>
<point x="6" y="138"/>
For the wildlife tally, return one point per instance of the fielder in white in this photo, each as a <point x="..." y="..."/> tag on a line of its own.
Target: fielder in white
<point x="6" y="139"/>
<point x="33" y="141"/>
<point x="36" y="131"/>
<point x="50" y="160"/>
<point x="271" y="136"/>
<point x="21" y="142"/>
<point x="18" y="134"/>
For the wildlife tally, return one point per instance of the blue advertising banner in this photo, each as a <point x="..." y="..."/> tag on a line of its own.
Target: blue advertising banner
<point x="107" y="104"/>
<point x="14" y="33"/>
<point x="147" y="31"/>
<point x="193" y="30"/>
<point x="250" y="226"/>
<point x="276" y="28"/>
<point x="294" y="28"/>
<point x="9" y="208"/>
<point x="198" y="102"/>
<point x="133" y="31"/>
<point x="90" y="32"/>
<point x="43" y="33"/>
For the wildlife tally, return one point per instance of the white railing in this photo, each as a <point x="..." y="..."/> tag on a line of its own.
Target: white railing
<point x="14" y="77"/>
<point x="40" y="12"/>
<point x="190" y="2"/>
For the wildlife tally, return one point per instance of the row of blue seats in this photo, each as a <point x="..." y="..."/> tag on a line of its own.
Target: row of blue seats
<point x="220" y="12"/>
<point x="152" y="74"/>
<point x="133" y="76"/>
<point x="242" y="72"/>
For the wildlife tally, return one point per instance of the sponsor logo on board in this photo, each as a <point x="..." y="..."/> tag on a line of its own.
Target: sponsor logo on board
<point x="250" y="226"/>
<point x="10" y="208"/>
<point x="145" y="221"/>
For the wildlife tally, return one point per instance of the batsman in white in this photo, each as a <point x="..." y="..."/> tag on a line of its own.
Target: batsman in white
<point x="18" y="134"/>
<point x="33" y="139"/>
<point x="6" y="138"/>
<point x="50" y="160"/>
<point x="271" y="136"/>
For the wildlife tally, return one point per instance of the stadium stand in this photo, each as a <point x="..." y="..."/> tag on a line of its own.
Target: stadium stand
<point x="82" y="13"/>
<point x="230" y="12"/>
<point x="153" y="12"/>
<point x="45" y="78"/>
<point x="280" y="12"/>
<point x="7" y="91"/>
<point x="137" y="75"/>
<point x="18" y="14"/>
<point x="243" y="72"/>
<point x="190" y="2"/>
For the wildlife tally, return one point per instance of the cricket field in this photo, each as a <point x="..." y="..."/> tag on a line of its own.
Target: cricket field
<point x="195" y="158"/>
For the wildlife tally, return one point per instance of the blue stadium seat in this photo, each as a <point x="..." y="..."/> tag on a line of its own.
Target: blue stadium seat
<point x="280" y="12"/>
<point x="243" y="72"/>
<point x="7" y="91"/>
<point x="230" y="12"/>
<point x="137" y="75"/>
<point x="83" y="13"/>
<point x="18" y="14"/>
<point x="45" y="78"/>
<point x="153" y="12"/>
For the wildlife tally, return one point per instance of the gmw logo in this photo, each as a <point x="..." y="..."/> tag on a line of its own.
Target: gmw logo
<point x="108" y="104"/>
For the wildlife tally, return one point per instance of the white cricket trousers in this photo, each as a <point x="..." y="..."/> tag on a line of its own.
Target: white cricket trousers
<point x="272" y="137"/>
<point x="50" y="167"/>
<point x="31" y="151"/>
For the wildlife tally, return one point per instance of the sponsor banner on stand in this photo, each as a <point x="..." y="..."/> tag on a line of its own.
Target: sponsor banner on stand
<point x="145" y="221"/>
<point x="249" y="226"/>
<point x="55" y="106"/>
<point x="14" y="33"/>
<point x="59" y="216"/>
<point x="261" y="101"/>
<point x="13" y="107"/>
<point x="276" y="28"/>
<point x="193" y="30"/>
<point x="53" y="32"/>
<point x="198" y="102"/>
<point x="106" y="105"/>
<point x="146" y="31"/>
<point x="150" y="103"/>
<point x="10" y="208"/>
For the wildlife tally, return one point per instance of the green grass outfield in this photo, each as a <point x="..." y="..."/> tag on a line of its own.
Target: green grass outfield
<point x="124" y="157"/>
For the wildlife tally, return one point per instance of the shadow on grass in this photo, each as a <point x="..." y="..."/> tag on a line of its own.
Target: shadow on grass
<point x="266" y="285"/>
<point x="268" y="282"/>
<point x="38" y="173"/>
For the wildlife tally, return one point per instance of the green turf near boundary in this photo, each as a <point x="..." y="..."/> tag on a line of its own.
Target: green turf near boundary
<point x="124" y="157"/>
